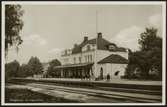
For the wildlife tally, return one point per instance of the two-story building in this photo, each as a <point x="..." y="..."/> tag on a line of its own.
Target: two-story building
<point x="94" y="58"/>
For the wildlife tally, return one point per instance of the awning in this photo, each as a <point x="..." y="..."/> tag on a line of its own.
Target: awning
<point x="74" y="65"/>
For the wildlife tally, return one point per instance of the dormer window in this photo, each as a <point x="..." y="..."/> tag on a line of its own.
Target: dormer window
<point x="111" y="47"/>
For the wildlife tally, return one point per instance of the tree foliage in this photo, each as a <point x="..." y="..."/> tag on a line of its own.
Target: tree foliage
<point x="11" y="69"/>
<point x="35" y="66"/>
<point x="149" y="57"/>
<point x="54" y="62"/>
<point x="25" y="71"/>
<point x="13" y="25"/>
<point x="149" y="40"/>
<point x="51" y="71"/>
<point x="14" y="69"/>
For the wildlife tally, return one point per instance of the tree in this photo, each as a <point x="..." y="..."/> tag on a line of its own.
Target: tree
<point x="25" y="71"/>
<point x="11" y="69"/>
<point x="141" y="59"/>
<point x="149" y="57"/>
<point x="151" y="44"/>
<point x="13" y="25"/>
<point x="35" y="66"/>
<point x="54" y="62"/>
<point x="149" y="40"/>
<point x="51" y="71"/>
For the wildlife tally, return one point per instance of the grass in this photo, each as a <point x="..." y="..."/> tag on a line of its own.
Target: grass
<point x="27" y="96"/>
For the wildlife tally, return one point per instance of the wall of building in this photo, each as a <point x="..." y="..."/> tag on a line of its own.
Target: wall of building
<point x="91" y="46"/>
<point x="118" y="67"/>
<point x="99" y="66"/>
<point x="111" y="69"/>
<point x="101" y="54"/>
<point x="74" y="58"/>
<point x="86" y="57"/>
<point x="65" y="60"/>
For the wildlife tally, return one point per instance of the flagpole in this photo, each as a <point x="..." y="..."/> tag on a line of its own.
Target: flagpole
<point x="96" y="42"/>
<point x="96" y="21"/>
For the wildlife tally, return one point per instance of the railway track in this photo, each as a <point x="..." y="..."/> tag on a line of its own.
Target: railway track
<point x="102" y="93"/>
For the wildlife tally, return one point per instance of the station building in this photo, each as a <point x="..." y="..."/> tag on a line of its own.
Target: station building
<point x="94" y="59"/>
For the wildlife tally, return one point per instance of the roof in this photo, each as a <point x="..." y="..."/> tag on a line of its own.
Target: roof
<point x="101" y="43"/>
<point x="73" y="65"/>
<point x="114" y="58"/>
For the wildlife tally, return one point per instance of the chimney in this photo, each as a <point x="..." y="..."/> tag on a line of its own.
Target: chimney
<point x="99" y="35"/>
<point x="85" y="38"/>
<point x="75" y="45"/>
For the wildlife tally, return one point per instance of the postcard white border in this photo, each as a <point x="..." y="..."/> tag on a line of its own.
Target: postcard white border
<point x="82" y="3"/>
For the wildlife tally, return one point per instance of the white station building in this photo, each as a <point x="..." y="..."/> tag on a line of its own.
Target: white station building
<point x="95" y="58"/>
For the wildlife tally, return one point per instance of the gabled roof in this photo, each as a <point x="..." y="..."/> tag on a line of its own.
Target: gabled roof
<point x="101" y="43"/>
<point x="114" y="58"/>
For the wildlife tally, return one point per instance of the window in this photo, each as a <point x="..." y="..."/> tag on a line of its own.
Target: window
<point x="101" y="73"/>
<point x="111" y="47"/>
<point x="85" y="58"/>
<point x="88" y="47"/>
<point x="74" y="60"/>
<point x="116" y="73"/>
<point x="90" y="58"/>
<point x="79" y="59"/>
<point x="65" y="52"/>
<point x="94" y="46"/>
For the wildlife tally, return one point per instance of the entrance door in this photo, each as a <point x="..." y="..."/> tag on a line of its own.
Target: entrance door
<point x="101" y="73"/>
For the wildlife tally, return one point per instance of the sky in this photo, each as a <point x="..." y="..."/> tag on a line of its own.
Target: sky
<point x="49" y="29"/>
